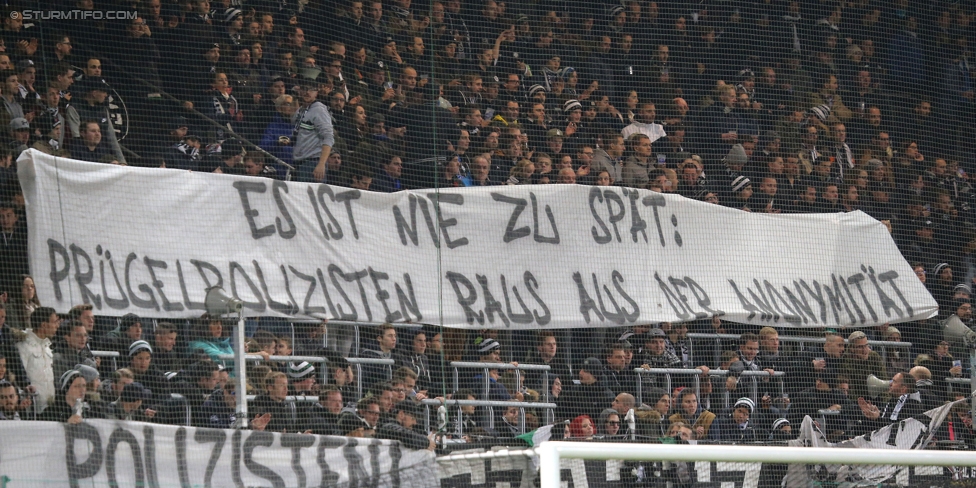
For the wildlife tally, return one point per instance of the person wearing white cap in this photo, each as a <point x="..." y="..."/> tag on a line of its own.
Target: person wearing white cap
<point x="20" y="132"/>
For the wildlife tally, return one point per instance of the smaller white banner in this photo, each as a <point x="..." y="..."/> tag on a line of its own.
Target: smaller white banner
<point x="113" y="453"/>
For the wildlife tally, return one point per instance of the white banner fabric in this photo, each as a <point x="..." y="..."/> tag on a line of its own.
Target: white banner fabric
<point x="115" y="453"/>
<point x="150" y="242"/>
<point x="913" y="433"/>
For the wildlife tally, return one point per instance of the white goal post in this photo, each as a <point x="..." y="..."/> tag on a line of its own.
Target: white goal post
<point x="550" y="454"/>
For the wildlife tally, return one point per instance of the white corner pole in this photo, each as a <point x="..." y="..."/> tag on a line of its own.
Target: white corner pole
<point x="549" y="464"/>
<point x="240" y="371"/>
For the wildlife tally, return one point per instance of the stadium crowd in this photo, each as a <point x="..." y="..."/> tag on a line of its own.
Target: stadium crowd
<point x="822" y="106"/>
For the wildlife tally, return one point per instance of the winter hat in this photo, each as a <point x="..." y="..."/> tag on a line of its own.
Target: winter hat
<point x="592" y="366"/>
<point x="780" y="423"/>
<point x="890" y="331"/>
<point x="655" y="394"/>
<point x="962" y="287"/>
<point x="89" y="373"/>
<point x="67" y="378"/>
<point x="938" y="268"/>
<point x="487" y="345"/>
<point x="128" y="320"/>
<point x="134" y="392"/>
<point x="300" y="371"/>
<point x="821" y="112"/>
<point x="231" y="13"/>
<point x="616" y="10"/>
<point x="745" y="402"/>
<point x="534" y="89"/>
<point x="739" y="183"/>
<point x="736" y="156"/>
<point x="571" y="105"/>
<point x="139" y="346"/>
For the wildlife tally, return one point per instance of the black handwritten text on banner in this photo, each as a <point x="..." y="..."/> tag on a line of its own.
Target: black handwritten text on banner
<point x="151" y="241"/>
<point x="112" y="453"/>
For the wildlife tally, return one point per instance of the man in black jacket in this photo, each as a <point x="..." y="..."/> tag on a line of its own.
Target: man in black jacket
<point x="324" y="419"/>
<point x="196" y="385"/>
<point x="546" y="353"/>
<point x="822" y="363"/>
<point x="408" y="411"/>
<point x="620" y="378"/>
<point x="272" y="401"/>
<point x="140" y="362"/>
<point x="826" y="394"/>
<point x="589" y="397"/>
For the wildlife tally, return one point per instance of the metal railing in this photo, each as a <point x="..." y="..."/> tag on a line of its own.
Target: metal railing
<point x="882" y="346"/>
<point x="257" y="358"/>
<point x="696" y="381"/>
<point x="491" y="405"/>
<point x="181" y="400"/>
<point x="114" y="355"/>
<point x="355" y="362"/>
<point x="358" y="364"/>
<point x="456" y="366"/>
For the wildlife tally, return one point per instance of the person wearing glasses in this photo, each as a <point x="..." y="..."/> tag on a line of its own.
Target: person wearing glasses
<point x="860" y="362"/>
<point x="364" y="421"/>
<point x="608" y="424"/>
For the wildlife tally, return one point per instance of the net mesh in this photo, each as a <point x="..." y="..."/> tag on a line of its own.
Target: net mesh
<point x="586" y="120"/>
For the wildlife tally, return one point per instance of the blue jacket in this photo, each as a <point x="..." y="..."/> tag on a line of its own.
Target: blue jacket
<point x="213" y="348"/>
<point x="269" y="141"/>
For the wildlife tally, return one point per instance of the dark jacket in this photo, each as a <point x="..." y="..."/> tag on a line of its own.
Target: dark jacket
<point x="66" y="358"/>
<point x="858" y="371"/>
<point x="557" y="369"/>
<point x="409" y="438"/>
<point x="195" y="397"/>
<point x="218" y="414"/>
<point x="418" y="363"/>
<point x="282" y="413"/>
<point x="373" y="373"/>
<point x="624" y="381"/>
<point x="725" y="429"/>
<point x="583" y="400"/>
<point x="155" y="381"/>
<point x="115" y="411"/>
<point x="802" y="374"/>
<point x="323" y="422"/>
<point x="59" y="411"/>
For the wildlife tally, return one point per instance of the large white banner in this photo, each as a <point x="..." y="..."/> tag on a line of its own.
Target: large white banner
<point x="115" y="453"/>
<point x="150" y="241"/>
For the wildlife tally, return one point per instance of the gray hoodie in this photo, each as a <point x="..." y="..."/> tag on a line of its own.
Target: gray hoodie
<point x="314" y="130"/>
